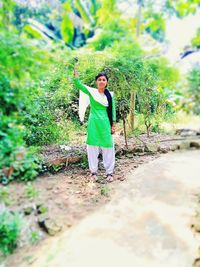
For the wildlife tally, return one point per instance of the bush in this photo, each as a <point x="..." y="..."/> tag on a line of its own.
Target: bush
<point x="16" y="162"/>
<point x="9" y="231"/>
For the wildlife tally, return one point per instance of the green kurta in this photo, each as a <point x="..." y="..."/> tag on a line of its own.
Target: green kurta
<point x="98" y="129"/>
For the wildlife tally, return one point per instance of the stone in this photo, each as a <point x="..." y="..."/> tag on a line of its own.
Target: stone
<point x="139" y="149"/>
<point x="195" y="144"/>
<point x="184" y="145"/>
<point x="197" y="226"/>
<point x="196" y="262"/>
<point x="153" y="148"/>
<point x="186" y="132"/>
<point x="163" y="150"/>
<point x="52" y="226"/>
<point x="28" y="210"/>
<point x="174" y="147"/>
<point x="48" y="224"/>
<point x="41" y="208"/>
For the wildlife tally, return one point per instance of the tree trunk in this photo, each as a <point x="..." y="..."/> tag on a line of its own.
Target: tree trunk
<point x="125" y="137"/>
<point x="132" y="111"/>
<point x="133" y="94"/>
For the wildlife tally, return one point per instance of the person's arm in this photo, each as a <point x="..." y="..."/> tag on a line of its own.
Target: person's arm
<point x="78" y="83"/>
<point x="113" y="115"/>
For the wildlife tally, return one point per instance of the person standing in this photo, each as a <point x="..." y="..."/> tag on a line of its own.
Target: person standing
<point x="101" y="124"/>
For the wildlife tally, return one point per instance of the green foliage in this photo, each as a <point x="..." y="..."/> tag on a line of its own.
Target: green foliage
<point x="33" y="33"/>
<point x="16" y="162"/>
<point x="107" y="12"/>
<point x="9" y="101"/>
<point x="41" y="127"/>
<point x="154" y="24"/>
<point x="84" y="161"/>
<point x="34" y="236"/>
<point x="6" y="13"/>
<point x="67" y="27"/>
<point x="129" y="70"/>
<point x="104" y="190"/>
<point x="111" y="33"/>
<point x="194" y="88"/>
<point x="104" y="40"/>
<point x="5" y="196"/>
<point x="30" y="191"/>
<point x="182" y="7"/>
<point x="196" y="39"/>
<point x="10" y="225"/>
<point x="84" y="11"/>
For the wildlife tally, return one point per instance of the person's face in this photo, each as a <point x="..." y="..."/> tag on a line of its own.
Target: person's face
<point x="101" y="82"/>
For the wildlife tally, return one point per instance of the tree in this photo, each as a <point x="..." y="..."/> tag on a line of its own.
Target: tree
<point x="6" y="13"/>
<point x="194" y="88"/>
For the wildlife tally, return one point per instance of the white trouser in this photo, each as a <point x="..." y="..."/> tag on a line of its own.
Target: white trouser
<point x="108" y="158"/>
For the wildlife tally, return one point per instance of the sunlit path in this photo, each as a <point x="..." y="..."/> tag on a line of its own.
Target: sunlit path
<point x="146" y="224"/>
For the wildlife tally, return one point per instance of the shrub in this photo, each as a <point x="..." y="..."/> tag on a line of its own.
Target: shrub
<point x="9" y="231"/>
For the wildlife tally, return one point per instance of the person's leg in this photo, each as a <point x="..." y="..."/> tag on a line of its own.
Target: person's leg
<point x="93" y="152"/>
<point x="109" y="160"/>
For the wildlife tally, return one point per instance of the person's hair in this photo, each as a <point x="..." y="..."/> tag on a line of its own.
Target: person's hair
<point x="102" y="73"/>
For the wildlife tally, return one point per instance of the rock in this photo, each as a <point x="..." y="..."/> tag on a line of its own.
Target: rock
<point x="195" y="144"/>
<point x="196" y="263"/>
<point x="153" y="148"/>
<point x="139" y="154"/>
<point x="41" y="208"/>
<point x="41" y="220"/>
<point x="184" y="145"/>
<point x="139" y="149"/>
<point x="163" y="149"/>
<point x="50" y="187"/>
<point x="118" y="151"/>
<point x="130" y="156"/>
<point x="186" y="132"/>
<point x="174" y="147"/>
<point x="65" y="148"/>
<point x="197" y="226"/>
<point x="49" y="225"/>
<point x="28" y="210"/>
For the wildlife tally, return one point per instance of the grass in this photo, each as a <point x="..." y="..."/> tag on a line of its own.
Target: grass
<point x="105" y="190"/>
<point x="5" y="196"/>
<point x="30" y="191"/>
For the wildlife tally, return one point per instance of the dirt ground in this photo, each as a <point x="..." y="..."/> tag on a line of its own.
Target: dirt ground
<point x="69" y="195"/>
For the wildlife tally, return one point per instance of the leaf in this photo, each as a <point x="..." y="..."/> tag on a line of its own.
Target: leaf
<point x="67" y="29"/>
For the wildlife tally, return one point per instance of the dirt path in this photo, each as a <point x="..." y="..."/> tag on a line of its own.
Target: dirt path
<point x="146" y="223"/>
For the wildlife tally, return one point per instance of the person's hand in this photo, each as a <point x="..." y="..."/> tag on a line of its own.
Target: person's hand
<point x="75" y="72"/>
<point x="113" y="129"/>
<point x="76" y="75"/>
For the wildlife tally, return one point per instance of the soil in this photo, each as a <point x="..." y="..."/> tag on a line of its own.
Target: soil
<point x="70" y="194"/>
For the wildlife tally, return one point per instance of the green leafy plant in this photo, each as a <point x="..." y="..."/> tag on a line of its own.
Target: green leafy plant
<point x="31" y="191"/>
<point x="34" y="236"/>
<point x="104" y="190"/>
<point x="10" y="225"/>
<point x="5" y="196"/>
